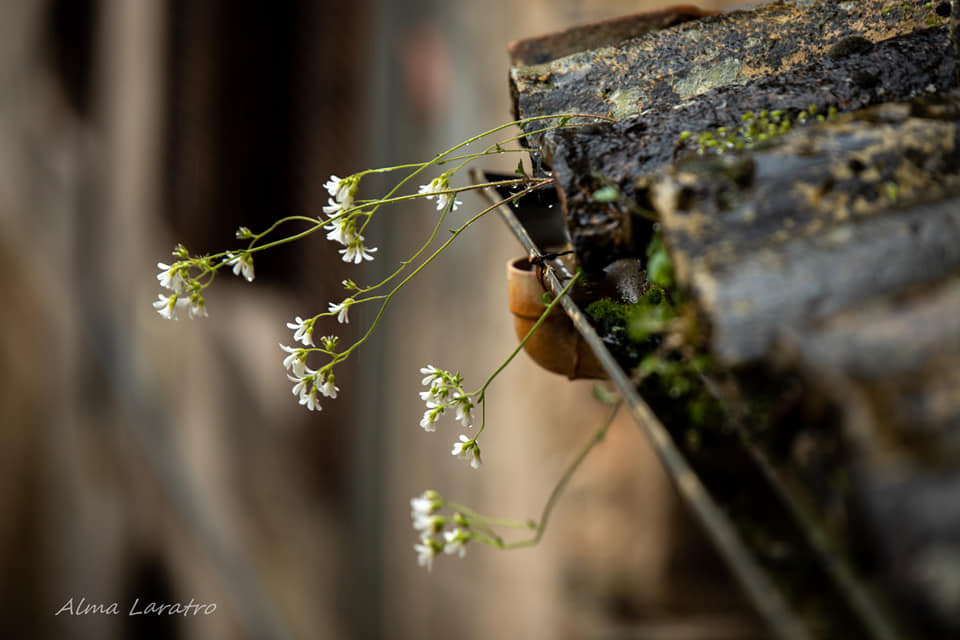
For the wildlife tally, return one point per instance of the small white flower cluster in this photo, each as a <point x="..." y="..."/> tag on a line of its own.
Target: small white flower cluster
<point x="429" y="524"/>
<point x="308" y="383"/>
<point x="445" y="391"/>
<point x="341" y="225"/>
<point x="186" y="289"/>
<point x="185" y="292"/>
<point x="439" y="188"/>
<point x="342" y="192"/>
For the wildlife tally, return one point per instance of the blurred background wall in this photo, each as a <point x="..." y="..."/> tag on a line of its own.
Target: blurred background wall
<point x="159" y="461"/>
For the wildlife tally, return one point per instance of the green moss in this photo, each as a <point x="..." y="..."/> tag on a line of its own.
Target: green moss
<point x="893" y="191"/>
<point x="607" y="310"/>
<point x="755" y="129"/>
<point x="680" y="379"/>
<point x="672" y="378"/>
<point x="910" y="9"/>
<point x="648" y="316"/>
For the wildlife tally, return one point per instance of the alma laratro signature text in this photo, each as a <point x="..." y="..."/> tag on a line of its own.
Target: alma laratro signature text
<point x="80" y="607"/>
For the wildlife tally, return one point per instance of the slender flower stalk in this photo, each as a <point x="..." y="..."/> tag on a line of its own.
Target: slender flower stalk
<point x="442" y="526"/>
<point x="451" y="533"/>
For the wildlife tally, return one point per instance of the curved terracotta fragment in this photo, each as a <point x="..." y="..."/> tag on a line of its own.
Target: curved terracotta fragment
<point x="556" y="345"/>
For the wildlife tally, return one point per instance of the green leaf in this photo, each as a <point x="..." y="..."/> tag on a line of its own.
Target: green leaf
<point x="608" y="193"/>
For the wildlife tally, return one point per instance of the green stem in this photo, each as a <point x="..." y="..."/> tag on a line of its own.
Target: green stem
<point x="543" y="316"/>
<point x="388" y="297"/>
<point x="276" y="243"/>
<point x="468" y="141"/>
<point x="415" y="196"/>
<point x="276" y="224"/>
<point x="446" y="210"/>
<point x="405" y="263"/>
<point x="418" y="168"/>
<point x="426" y="163"/>
<point x="500" y="522"/>
<point x="595" y="438"/>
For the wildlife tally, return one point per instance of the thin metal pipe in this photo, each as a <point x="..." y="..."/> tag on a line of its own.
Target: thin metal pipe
<point x="761" y="591"/>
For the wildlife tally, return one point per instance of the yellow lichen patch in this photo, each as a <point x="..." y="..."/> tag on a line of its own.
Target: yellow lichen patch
<point x="799" y="57"/>
<point x="543" y="78"/>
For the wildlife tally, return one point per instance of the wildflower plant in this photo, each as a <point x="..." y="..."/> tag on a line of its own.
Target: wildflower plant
<point x="310" y="362"/>
<point x="444" y="526"/>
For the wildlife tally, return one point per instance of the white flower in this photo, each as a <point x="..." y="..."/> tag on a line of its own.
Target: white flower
<point x="296" y="361"/>
<point x="429" y="421"/>
<point x="467" y="448"/>
<point x="458" y="447"/>
<point x="170" y="277"/>
<point x="242" y="265"/>
<point x="426" y="551"/>
<point x="301" y="386"/>
<point x="332" y="209"/>
<point x="455" y="541"/>
<point x="464" y="409"/>
<point x="356" y="252"/>
<point x="426" y="395"/>
<point x="341" y="192"/>
<point x="436" y="188"/>
<point x="341" y="189"/>
<point x="167" y="306"/>
<point x="310" y="399"/>
<point x="307" y="390"/>
<point x="427" y="524"/>
<point x="341" y="230"/>
<point x="333" y="186"/>
<point x="342" y="310"/>
<point x="424" y="504"/>
<point x="328" y="389"/>
<point x="198" y="308"/>
<point x="302" y="330"/>
<point x="432" y="375"/>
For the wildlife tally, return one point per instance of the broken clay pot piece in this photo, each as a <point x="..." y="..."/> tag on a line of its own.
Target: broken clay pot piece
<point x="556" y="345"/>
